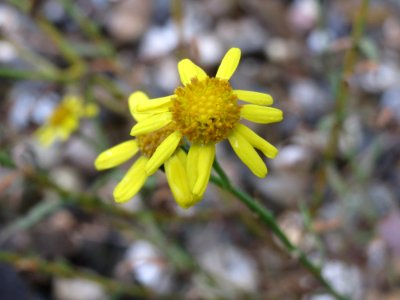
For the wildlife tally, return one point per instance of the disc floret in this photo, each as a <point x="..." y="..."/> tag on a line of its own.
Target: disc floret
<point x="149" y="142"/>
<point x="205" y="110"/>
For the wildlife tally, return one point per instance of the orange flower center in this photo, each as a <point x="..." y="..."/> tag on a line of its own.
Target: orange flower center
<point x="205" y="110"/>
<point x="148" y="143"/>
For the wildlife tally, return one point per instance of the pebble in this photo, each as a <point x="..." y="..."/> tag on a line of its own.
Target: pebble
<point x="385" y="76"/>
<point x="30" y="102"/>
<point x="128" y="20"/>
<point x="352" y="135"/>
<point x="158" y="41"/>
<point x="54" y="11"/>
<point x="246" y="33"/>
<point x="281" y="50"/>
<point x="309" y="98"/>
<point x="149" y="266"/>
<point x="9" y="19"/>
<point x="346" y="279"/>
<point x="319" y="41"/>
<point x="303" y="14"/>
<point x="67" y="178"/>
<point x="165" y="74"/>
<point x="388" y="229"/>
<point x="231" y="267"/>
<point x="293" y="158"/>
<point x="390" y="100"/>
<point x="8" y="53"/>
<point x="284" y="188"/>
<point x="210" y="49"/>
<point x="78" y="289"/>
<point x="81" y="154"/>
<point x="391" y="32"/>
<point x="29" y="152"/>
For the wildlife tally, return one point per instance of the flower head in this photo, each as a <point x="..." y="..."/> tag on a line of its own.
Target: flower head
<point x="147" y="146"/>
<point x="205" y="111"/>
<point x="65" y="119"/>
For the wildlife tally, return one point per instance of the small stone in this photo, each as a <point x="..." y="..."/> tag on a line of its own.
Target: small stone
<point x="9" y="19"/>
<point x="391" y="31"/>
<point x="129" y="19"/>
<point x="165" y="74"/>
<point x="81" y="153"/>
<point x="210" y="49"/>
<point x="293" y="158"/>
<point x="219" y="8"/>
<point x="283" y="188"/>
<point x="319" y="41"/>
<point x="293" y="226"/>
<point x="54" y="11"/>
<point x="390" y="101"/>
<point x="148" y="266"/>
<point x="30" y="102"/>
<point x="78" y="289"/>
<point x="303" y="14"/>
<point x="352" y="134"/>
<point x="309" y="98"/>
<point x="158" y="41"/>
<point x="8" y="52"/>
<point x="377" y="255"/>
<point x="245" y="33"/>
<point x="281" y="50"/>
<point x="67" y="178"/>
<point x="233" y="268"/>
<point x="346" y="279"/>
<point x="380" y="78"/>
<point x="388" y="230"/>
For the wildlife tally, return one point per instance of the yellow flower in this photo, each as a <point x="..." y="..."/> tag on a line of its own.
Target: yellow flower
<point x="64" y="120"/>
<point x="148" y="146"/>
<point x="205" y="110"/>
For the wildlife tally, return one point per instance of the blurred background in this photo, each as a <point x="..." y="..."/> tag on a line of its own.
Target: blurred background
<point x="334" y="187"/>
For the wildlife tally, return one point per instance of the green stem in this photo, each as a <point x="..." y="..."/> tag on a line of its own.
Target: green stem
<point x="342" y="93"/>
<point x="63" y="269"/>
<point x="268" y="219"/>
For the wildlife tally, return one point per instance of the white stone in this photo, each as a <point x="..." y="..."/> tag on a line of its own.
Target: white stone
<point x="78" y="289"/>
<point x="148" y="266"/>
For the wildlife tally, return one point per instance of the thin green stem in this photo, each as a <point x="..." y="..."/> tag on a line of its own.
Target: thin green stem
<point x="63" y="269"/>
<point x="268" y="219"/>
<point x="342" y="92"/>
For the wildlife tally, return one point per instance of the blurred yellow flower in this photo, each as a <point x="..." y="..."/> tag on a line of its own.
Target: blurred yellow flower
<point x="65" y="119"/>
<point x="205" y="111"/>
<point x="148" y="146"/>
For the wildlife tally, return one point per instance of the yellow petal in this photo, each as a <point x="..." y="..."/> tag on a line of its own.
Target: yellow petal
<point x="256" y="141"/>
<point x="188" y="70"/>
<point x="261" y="114"/>
<point x="254" y="97"/>
<point x="175" y="169"/>
<point x="229" y="64"/>
<point x="72" y="102"/>
<point x="163" y="152"/>
<point x="132" y="182"/>
<point x="46" y="135"/>
<point x="135" y="99"/>
<point x="141" y="107"/>
<point x="245" y="151"/>
<point x="116" y="155"/>
<point x="151" y="123"/>
<point x="63" y="133"/>
<point x="91" y="110"/>
<point x="155" y="105"/>
<point x="192" y="164"/>
<point x="204" y="165"/>
<point x="70" y="123"/>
